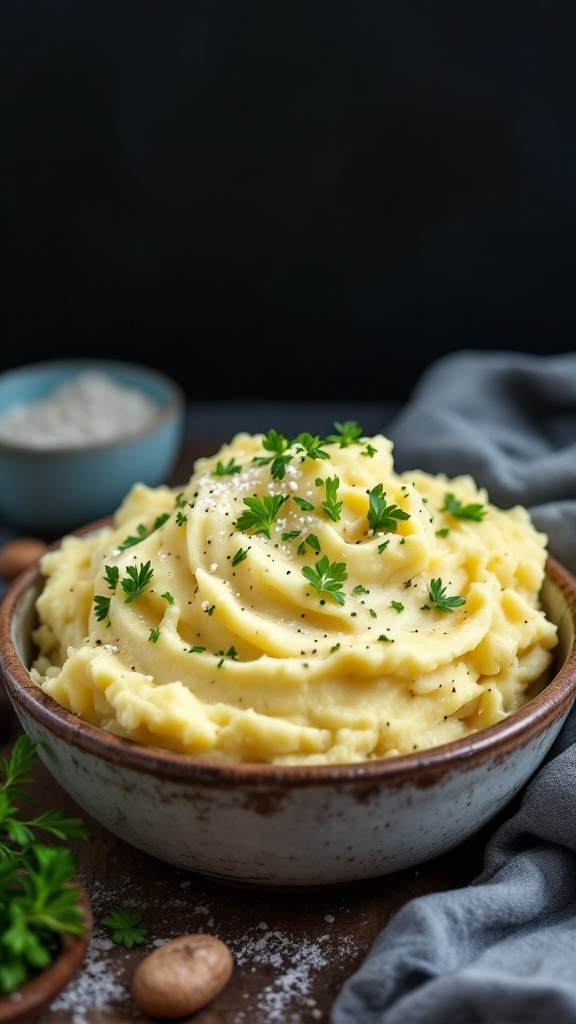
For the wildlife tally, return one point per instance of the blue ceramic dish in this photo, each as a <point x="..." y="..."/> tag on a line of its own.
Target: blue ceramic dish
<point x="51" y="490"/>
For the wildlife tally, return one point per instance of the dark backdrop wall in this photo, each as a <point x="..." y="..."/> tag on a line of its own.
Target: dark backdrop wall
<point x="287" y="199"/>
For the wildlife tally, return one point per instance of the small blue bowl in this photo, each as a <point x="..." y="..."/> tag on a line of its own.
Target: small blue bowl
<point x="58" y="487"/>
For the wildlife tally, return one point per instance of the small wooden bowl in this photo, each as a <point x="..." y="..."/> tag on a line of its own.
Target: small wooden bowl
<point x="27" y="1004"/>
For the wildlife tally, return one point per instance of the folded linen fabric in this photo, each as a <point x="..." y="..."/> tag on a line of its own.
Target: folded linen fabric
<point x="501" y="950"/>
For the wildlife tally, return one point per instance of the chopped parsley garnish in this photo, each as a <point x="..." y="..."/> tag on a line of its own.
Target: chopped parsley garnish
<point x="112" y="573"/>
<point x="240" y="555"/>
<point x="439" y="600"/>
<point x="305" y="506"/>
<point x="310" y="446"/>
<point x="474" y="510"/>
<point x="347" y="433"/>
<point x="327" y="577"/>
<point x="260" y="513"/>
<point x="101" y="607"/>
<point x="138" y="580"/>
<point x="229" y="469"/>
<point x="397" y="605"/>
<point x="154" y="635"/>
<point x="167" y="597"/>
<point x="385" y="639"/>
<point x="382" y="516"/>
<point x="332" y="506"/>
<point x="142" y="532"/>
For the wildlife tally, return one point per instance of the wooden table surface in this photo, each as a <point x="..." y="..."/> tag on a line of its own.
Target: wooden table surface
<point x="292" y="951"/>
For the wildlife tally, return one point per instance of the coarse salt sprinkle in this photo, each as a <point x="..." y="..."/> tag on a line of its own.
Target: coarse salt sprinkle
<point x="90" y="409"/>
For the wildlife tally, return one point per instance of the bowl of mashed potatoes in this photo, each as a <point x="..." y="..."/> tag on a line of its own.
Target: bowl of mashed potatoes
<point x="300" y="668"/>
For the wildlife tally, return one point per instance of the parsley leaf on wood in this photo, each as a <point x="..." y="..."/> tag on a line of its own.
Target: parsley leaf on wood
<point x="127" y="928"/>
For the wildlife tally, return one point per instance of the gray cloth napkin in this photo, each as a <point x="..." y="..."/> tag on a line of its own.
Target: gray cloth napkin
<point x="501" y="950"/>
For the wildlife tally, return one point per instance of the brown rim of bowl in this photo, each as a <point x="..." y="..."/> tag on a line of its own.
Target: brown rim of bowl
<point x="175" y="406"/>
<point x="35" y="996"/>
<point x="495" y="740"/>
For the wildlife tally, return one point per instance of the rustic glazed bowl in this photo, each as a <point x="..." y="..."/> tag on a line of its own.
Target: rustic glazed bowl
<point x="28" y="1003"/>
<point x="56" y="488"/>
<point x="290" y="827"/>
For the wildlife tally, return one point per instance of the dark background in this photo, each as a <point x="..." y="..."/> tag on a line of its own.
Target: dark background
<point x="287" y="199"/>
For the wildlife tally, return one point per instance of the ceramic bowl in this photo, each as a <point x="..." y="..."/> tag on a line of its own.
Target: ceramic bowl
<point x="290" y="827"/>
<point x="31" y="1001"/>
<point x="58" y="486"/>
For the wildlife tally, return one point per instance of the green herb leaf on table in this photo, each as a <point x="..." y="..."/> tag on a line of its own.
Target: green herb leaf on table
<point x="126" y="926"/>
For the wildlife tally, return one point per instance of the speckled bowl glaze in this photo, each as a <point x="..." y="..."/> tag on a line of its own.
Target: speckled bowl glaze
<point x="53" y="490"/>
<point x="290" y="827"/>
<point x="31" y="1001"/>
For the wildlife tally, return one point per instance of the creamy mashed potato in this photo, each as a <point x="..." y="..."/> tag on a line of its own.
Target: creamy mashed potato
<point x="298" y="602"/>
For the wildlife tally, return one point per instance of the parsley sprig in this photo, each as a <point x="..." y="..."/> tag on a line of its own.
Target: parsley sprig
<point x="327" y="577"/>
<point x="137" y="581"/>
<point x="126" y="926"/>
<point x="454" y="506"/>
<point x="383" y="517"/>
<point x="439" y="600"/>
<point x="260" y="513"/>
<point x="38" y="897"/>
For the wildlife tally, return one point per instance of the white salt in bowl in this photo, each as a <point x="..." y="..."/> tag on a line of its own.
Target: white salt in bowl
<point x="76" y="434"/>
<point x="289" y="827"/>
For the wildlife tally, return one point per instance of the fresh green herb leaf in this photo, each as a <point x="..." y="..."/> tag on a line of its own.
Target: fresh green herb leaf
<point x="138" y="580"/>
<point x="112" y="573"/>
<point x="310" y="447"/>
<point x="240" y="555"/>
<point x="142" y="532"/>
<point x="154" y="636"/>
<point x="439" y="600"/>
<point x="127" y="928"/>
<point x="332" y="506"/>
<point x="475" y="510"/>
<point x="38" y="897"/>
<point x="227" y="469"/>
<point x="347" y="433"/>
<point x="291" y="535"/>
<point x="181" y="519"/>
<point x="382" y="516"/>
<point x="101" y="607"/>
<point x="397" y="605"/>
<point x="303" y="504"/>
<point x="360" y="590"/>
<point x="167" y="597"/>
<point x="230" y="653"/>
<point x="261" y="513"/>
<point x="385" y="639"/>
<point x="327" y="577"/>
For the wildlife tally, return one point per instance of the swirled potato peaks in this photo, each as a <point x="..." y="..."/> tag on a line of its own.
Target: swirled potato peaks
<point x="298" y="601"/>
